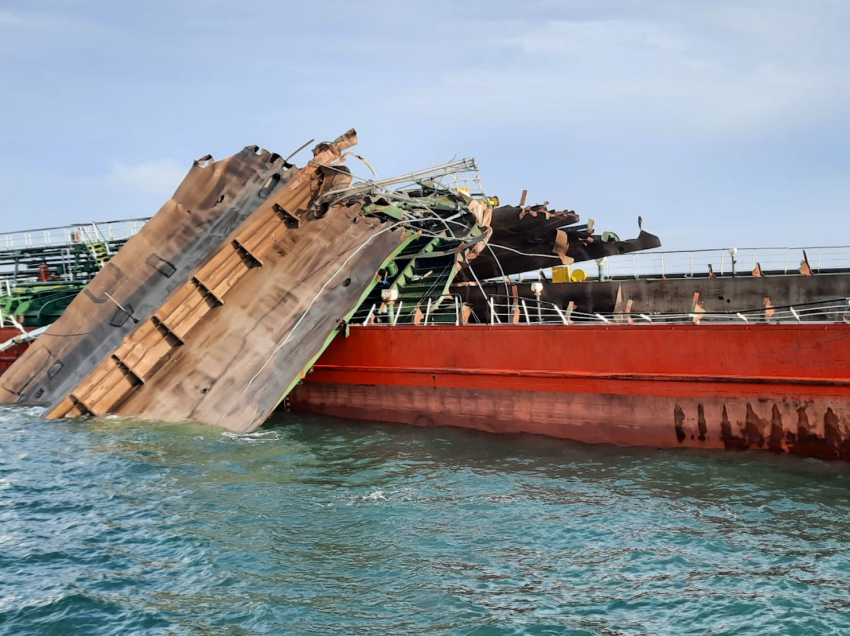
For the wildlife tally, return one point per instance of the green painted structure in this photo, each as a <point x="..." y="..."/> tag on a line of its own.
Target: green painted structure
<point x="42" y="271"/>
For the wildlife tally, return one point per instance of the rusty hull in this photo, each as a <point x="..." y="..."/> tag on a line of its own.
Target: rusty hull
<point x="227" y="345"/>
<point x="213" y="199"/>
<point x="778" y="388"/>
<point x="808" y="428"/>
<point x="231" y="333"/>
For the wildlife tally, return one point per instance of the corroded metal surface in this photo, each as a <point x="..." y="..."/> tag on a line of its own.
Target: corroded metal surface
<point x="808" y="428"/>
<point x="529" y="238"/>
<point x="236" y="363"/>
<point x="781" y="388"/>
<point x="213" y="199"/>
<point x="239" y="323"/>
<point x="223" y="349"/>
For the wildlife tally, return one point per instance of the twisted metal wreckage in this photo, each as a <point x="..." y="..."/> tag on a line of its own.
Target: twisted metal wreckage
<point x="223" y="301"/>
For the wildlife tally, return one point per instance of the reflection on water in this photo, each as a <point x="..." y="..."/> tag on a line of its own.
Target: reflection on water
<point x="319" y="526"/>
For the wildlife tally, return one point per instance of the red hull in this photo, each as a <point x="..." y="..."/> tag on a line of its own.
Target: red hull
<point x="784" y="388"/>
<point x="10" y="355"/>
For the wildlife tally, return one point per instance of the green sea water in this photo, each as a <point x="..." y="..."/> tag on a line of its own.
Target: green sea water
<point x="320" y="526"/>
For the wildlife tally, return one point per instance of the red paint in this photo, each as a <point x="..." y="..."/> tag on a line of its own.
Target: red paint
<point x="10" y="355"/>
<point x="657" y="385"/>
<point x="784" y="388"/>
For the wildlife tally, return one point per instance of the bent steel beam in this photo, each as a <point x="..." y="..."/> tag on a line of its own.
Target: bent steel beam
<point x="534" y="237"/>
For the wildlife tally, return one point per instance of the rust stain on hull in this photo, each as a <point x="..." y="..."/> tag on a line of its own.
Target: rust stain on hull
<point x="551" y="381"/>
<point x="594" y="418"/>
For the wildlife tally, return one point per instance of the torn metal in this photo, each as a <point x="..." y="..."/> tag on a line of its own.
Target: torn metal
<point x="220" y="305"/>
<point x="533" y="237"/>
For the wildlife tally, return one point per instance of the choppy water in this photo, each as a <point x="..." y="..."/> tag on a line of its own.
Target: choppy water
<point x="325" y="527"/>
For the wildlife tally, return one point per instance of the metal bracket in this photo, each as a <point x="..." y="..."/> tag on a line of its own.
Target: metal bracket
<point x="289" y="220"/>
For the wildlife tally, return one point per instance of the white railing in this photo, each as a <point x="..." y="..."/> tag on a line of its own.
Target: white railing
<point x="515" y="310"/>
<point x="9" y="320"/>
<point x="531" y="311"/>
<point x="67" y="235"/>
<point x="449" y="310"/>
<point x="509" y="310"/>
<point x="723" y="262"/>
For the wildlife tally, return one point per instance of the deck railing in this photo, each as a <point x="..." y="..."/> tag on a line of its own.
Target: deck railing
<point x="69" y="234"/>
<point x="515" y="310"/>
<point x="447" y="309"/>
<point x="734" y="261"/>
<point x="70" y="253"/>
<point x="723" y="262"/>
<point x="510" y="310"/>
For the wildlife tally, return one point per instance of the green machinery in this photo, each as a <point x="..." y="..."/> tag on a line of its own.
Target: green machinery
<point x="41" y="271"/>
<point x="414" y="285"/>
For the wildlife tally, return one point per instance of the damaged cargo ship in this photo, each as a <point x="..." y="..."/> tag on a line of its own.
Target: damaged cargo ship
<point x="250" y="251"/>
<point x="223" y="304"/>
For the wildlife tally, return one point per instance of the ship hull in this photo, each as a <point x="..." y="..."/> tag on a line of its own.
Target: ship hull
<point x="8" y="357"/>
<point x="780" y="388"/>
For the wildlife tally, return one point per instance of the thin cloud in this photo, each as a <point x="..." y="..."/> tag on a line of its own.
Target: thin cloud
<point x="161" y="176"/>
<point x="702" y="74"/>
<point x="40" y="22"/>
<point x="567" y="36"/>
<point x="678" y="111"/>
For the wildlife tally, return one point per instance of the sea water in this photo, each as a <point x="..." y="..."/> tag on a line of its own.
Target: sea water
<point x="321" y="526"/>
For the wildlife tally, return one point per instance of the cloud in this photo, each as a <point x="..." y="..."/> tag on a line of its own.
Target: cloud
<point x="9" y="19"/>
<point x="160" y="176"/>
<point x="703" y="73"/>
<point x="26" y="36"/>
<point x="572" y="36"/>
<point x="39" y="22"/>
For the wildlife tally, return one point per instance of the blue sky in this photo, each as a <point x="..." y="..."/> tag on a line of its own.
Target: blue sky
<point x="719" y="122"/>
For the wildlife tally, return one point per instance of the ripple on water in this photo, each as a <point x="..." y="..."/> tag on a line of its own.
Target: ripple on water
<point x="326" y="527"/>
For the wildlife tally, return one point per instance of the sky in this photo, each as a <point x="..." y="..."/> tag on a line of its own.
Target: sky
<point x="720" y="122"/>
